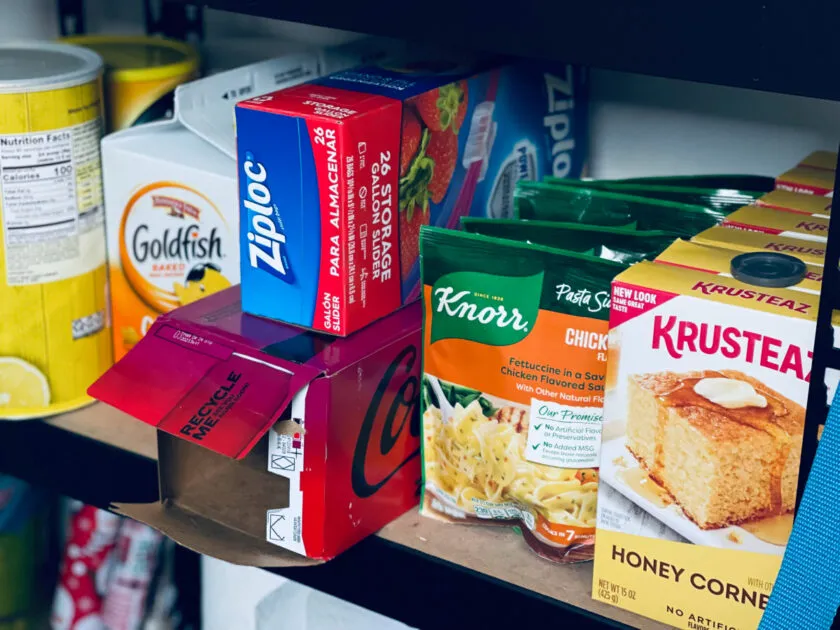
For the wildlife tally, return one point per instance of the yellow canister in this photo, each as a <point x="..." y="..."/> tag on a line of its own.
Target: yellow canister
<point x="141" y="74"/>
<point x="54" y="333"/>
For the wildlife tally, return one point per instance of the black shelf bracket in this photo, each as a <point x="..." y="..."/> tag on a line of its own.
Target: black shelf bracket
<point x="826" y="356"/>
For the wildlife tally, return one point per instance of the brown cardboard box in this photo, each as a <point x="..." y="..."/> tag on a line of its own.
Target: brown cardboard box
<point x="276" y="446"/>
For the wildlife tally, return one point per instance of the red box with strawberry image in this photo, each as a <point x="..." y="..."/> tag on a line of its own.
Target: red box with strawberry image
<point x="336" y="176"/>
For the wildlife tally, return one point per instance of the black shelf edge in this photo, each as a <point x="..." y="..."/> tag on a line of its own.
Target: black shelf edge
<point x="67" y="463"/>
<point x="405" y="584"/>
<point x="770" y="45"/>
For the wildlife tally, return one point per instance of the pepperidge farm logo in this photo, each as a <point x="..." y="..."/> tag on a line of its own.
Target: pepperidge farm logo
<point x="488" y="309"/>
<point x="265" y="233"/>
<point x="558" y="121"/>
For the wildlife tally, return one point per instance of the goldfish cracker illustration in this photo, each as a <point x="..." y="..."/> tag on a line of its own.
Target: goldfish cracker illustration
<point x="130" y="337"/>
<point x="202" y="280"/>
<point x="172" y="246"/>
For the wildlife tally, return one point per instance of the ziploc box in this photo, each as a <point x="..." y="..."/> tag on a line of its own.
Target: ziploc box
<point x="170" y="191"/>
<point x="336" y="176"/>
<point x="281" y="443"/>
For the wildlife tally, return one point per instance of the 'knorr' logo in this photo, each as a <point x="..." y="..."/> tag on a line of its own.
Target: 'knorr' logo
<point x="488" y="309"/>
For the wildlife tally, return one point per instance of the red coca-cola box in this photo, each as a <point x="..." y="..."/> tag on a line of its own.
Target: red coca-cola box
<point x="276" y="445"/>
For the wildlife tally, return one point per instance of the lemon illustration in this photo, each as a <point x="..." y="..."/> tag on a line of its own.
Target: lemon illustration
<point x="22" y="385"/>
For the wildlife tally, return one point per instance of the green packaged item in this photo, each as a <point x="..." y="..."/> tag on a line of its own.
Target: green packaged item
<point x="514" y="370"/>
<point x="570" y="204"/>
<point x="723" y="199"/>
<point x="623" y="245"/>
<point x="754" y="183"/>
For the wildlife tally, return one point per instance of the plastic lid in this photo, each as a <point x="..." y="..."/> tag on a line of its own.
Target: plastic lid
<point x="141" y="58"/>
<point x="27" y="67"/>
<point x="766" y="269"/>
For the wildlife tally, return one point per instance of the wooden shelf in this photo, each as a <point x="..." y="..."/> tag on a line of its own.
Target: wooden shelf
<point x="101" y="456"/>
<point x="502" y="554"/>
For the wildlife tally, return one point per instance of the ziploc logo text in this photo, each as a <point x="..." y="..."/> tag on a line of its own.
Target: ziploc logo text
<point x="264" y="225"/>
<point x="560" y="91"/>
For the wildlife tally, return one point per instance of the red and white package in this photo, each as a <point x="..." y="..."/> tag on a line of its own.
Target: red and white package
<point x="134" y="567"/>
<point x="84" y="570"/>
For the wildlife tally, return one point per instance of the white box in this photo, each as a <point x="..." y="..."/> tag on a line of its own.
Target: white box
<point x="171" y="196"/>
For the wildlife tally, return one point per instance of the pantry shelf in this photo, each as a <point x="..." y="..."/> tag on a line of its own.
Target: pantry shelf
<point x="96" y="454"/>
<point x="101" y="456"/>
<point x="772" y="45"/>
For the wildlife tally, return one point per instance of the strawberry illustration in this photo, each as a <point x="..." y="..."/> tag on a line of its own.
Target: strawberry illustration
<point x="443" y="151"/>
<point x="411" y="135"/>
<point x="444" y="107"/>
<point x="410" y="221"/>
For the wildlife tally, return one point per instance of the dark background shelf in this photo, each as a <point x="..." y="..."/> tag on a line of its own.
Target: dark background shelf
<point x="773" y="45"/>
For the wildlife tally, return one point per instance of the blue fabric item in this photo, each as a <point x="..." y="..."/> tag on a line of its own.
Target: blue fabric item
<point x="807" y="590"/>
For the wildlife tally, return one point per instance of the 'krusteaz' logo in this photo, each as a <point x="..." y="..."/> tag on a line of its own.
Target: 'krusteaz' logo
<point x="266" y="237"/>
<point x="489" y="309"/>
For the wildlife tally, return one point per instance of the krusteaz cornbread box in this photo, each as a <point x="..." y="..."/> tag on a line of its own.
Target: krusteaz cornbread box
<point x="796" y="202"/>
<point x="703" y="430"/>
<point x="814" y="175"/>
<point x="719" y="260"/>
<point x="771" y="221"/>
<point x="811" y="252"/>
<point x="337" y="176"/>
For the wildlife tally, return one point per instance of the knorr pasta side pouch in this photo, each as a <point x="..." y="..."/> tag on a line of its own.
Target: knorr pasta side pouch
<point x="722" y="199"/>
<point x="514" y="360"/>
<point x="569" y="204"/>
<point x="624" y="245"/>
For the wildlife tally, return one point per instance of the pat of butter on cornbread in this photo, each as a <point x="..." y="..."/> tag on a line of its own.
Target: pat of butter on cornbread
<point x="721" y="443"/>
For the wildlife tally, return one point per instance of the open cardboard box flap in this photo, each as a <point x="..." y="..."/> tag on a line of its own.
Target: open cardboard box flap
<point x="209" y="538"/>
<point x="205" y="107"/>
<point x="199" y="386"/>
<point x="215" y="506"/>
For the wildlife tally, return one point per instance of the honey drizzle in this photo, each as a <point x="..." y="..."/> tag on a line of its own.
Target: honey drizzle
<point x="683" y="395"/>
<point x="644" y="486"/>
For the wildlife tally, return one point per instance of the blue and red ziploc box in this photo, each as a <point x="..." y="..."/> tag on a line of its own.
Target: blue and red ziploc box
<point x="336" y="176"/>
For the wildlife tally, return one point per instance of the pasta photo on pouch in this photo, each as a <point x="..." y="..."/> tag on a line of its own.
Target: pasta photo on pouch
<point x="513" y="386"/>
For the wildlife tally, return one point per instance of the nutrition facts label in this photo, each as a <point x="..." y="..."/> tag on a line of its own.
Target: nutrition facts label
<point x="564" y="436"/>
<point x="52" y="204"/>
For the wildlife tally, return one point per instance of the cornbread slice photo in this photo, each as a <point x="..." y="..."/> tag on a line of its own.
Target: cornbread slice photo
<point x="724" y="445"/>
